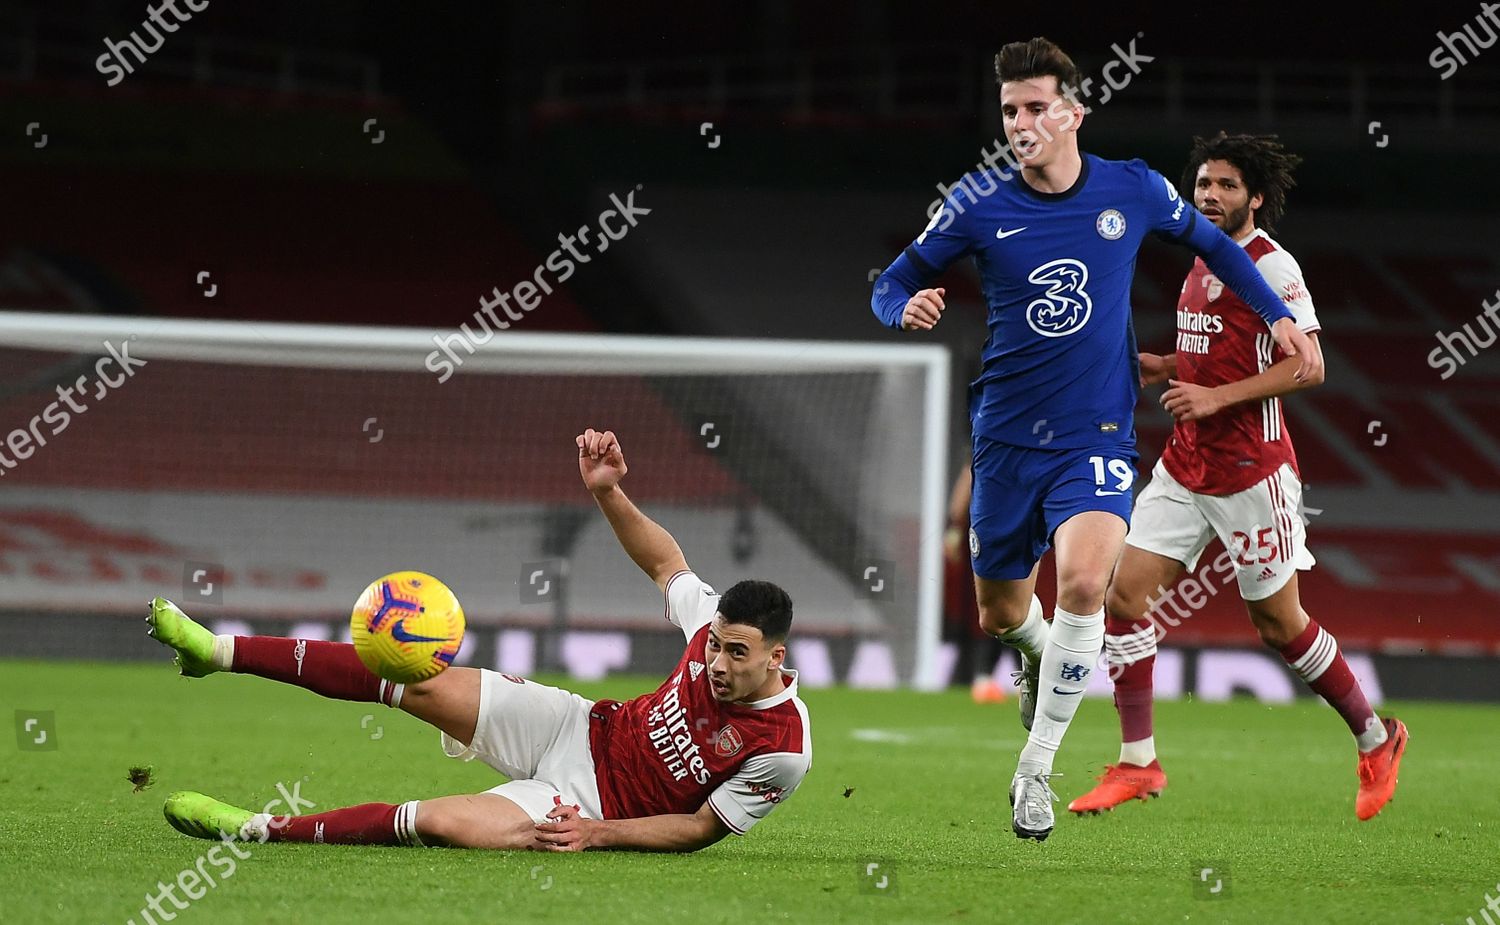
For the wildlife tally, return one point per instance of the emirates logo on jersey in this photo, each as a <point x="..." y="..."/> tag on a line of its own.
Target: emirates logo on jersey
<point x="728" y="742"/>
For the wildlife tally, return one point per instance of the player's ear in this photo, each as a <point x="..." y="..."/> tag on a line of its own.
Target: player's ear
<point x="778" y="654"/>
<point x="1255" y="201"/>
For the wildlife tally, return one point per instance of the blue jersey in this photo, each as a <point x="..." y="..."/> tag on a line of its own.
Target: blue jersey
<point x="1059" y="369"/>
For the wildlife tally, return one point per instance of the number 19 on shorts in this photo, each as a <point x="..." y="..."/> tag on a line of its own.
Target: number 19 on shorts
<point x="1112" y="476"/>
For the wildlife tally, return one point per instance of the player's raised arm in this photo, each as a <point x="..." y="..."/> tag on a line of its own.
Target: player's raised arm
<point x="902" y="298"/>
<point x="601" y="462"/>
<point x="1179" y="221"/>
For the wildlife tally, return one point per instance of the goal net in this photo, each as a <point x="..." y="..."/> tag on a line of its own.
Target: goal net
<point x="262" y="474"/>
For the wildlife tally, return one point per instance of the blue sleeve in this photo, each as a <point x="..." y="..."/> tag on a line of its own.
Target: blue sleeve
<point x="1173" y="218"/>
<point x="945" y="239"/>
<point x="1233" y="266"/>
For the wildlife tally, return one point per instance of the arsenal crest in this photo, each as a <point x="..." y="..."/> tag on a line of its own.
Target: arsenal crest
<point x="728" y="742"/>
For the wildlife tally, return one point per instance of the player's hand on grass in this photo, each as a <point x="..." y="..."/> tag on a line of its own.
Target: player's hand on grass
<point x="1189" y="402"/>
<point x="1154" y="369"/>
<point x="1294" y="343"/>
<point x="923" y="310"/>
<point x="565" y="829"/>
<point x="601" y="462"/>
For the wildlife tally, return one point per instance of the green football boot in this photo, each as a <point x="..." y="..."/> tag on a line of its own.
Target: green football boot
<point x="194" y="643"/>
<point x="201" y="816"/>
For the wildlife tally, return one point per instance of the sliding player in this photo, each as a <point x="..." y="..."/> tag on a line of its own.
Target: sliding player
<point x="712" y="751"/>
<point x="1230" y="470"/>
<point x="1054" y="441"/>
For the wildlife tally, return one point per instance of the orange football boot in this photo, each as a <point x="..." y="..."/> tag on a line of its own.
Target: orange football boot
<point x="1377" y="771"/>
<point x="1121" y="782"/>
<point x="988" y="690"/>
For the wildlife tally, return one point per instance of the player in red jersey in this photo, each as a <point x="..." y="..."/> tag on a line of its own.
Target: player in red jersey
<point x="711" y="751"/>
<point x="1230" y="470"/>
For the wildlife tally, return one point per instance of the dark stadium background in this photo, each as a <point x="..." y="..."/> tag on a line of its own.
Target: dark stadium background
<point x="242" y="145"/>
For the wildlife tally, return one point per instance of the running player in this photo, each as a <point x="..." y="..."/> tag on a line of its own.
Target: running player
<point x="1051" y="410"/>
<point x="1230" y="470"/>
<point x="713" y="750"/>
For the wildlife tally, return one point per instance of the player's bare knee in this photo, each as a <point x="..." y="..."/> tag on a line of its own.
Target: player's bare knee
<point x="1120" y="604"/>
<point x="1082" y="591"/>
<point x="1273" y="634"/>
<point x="436" y="823"/>
<point x="1276" y="629"/>
<point x="465" y="822"/>
<point x="996" y="619"/>
<point x="1278" y="619"/>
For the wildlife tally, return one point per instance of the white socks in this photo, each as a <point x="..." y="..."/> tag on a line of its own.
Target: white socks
<point x="1140" y="753"/>
<point x="1373" y="737"/>
<point x="1031" y="636"/>
<point x="406" y="824"/>
<point x="223" y="657"/>
<point x="1072" y="651"/>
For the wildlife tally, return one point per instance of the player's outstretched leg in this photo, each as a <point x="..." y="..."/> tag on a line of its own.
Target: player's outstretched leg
<point x="1315" y="656"/>
<point x="484" y="820"/>
<point x="331" y="669"/>
<point x="202" y="816"/>
<point x="1087" y="544"/>
<point x="1130" y="645"/>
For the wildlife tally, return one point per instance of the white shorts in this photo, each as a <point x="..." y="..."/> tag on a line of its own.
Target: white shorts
<point x="1261" y="527"/>
<point x="539" y="737"/>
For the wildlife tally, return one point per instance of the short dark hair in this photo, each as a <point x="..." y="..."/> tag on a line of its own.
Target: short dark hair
<point x="1038" y="57"/>
<point x="1263" y="162"/>
<point x="759" y="604"/>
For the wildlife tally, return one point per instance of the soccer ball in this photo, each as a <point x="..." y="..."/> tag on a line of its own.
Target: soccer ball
<point x="407" y="627"/>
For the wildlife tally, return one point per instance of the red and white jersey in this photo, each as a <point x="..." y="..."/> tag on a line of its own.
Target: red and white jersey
<point x="673" y="749"/>
<point x="1220" y="339"/>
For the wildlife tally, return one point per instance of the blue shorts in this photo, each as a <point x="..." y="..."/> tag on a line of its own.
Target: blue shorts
<point x="1023" y="494"/>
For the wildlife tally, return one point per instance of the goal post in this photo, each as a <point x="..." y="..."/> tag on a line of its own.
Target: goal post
<point x="296" y="462"/>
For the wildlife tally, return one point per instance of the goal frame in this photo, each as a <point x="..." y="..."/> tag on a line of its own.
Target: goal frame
<point x="387" y="348"/>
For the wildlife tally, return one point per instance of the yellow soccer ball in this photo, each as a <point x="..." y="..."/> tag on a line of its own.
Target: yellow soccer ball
<point x="407" y="627"/>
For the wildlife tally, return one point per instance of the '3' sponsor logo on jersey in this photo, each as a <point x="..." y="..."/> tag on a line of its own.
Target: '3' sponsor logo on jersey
<point x="1065" y="307"/>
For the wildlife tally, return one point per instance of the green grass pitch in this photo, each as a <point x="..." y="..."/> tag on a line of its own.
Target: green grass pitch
<point x="1264" y="797"/>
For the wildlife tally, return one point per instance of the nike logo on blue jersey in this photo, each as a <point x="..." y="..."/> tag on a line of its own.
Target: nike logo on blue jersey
<point x="1002" y="234"/>
<point x="1101" y="493"/>
<point x="1058" y="690"/>
<point x="399" y="633"/>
